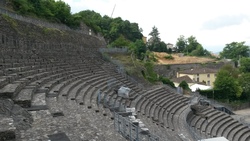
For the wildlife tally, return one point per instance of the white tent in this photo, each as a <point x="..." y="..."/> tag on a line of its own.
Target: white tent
<point x="199" y="86"/>
<point x="215" y="139"/>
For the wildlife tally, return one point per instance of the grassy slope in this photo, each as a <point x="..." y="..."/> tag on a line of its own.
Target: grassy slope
<point x="178" y="59"/>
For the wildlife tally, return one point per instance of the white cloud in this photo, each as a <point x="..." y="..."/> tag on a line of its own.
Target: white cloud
<point x="213" y="22"/>
<point x="225" y="21"/>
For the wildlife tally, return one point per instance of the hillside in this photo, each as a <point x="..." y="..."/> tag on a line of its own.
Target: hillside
<point x="178" y="59"/>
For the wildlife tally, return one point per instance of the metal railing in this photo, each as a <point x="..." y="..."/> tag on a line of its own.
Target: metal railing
<point x="128" y="129"/>
<point x="131" y="131"/>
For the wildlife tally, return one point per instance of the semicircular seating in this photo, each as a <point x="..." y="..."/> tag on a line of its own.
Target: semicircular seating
<point x="218" y="124"/>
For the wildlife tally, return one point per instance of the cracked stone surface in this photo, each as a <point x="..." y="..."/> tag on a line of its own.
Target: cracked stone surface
<point x="79" y="123"/>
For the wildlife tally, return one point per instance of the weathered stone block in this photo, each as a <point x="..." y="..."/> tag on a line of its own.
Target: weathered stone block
<point x="7" y="130"/>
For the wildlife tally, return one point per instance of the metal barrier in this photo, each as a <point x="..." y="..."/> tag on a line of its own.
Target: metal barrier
<point x="131" y="131"/>
<point x="128" y="129"/>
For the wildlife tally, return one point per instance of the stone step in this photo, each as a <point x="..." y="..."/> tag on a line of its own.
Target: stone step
<point x="38" y="102"/>
<point x="24" y="97"/>
<point x="10" y="90"/>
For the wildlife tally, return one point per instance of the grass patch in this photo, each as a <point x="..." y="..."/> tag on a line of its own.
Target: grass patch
<point x="13" y="22"/>
<point x="48" y="31"/>
<point x="10" y="20"/>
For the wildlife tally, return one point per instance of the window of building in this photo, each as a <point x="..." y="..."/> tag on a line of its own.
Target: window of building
<point x="208" y="75"/>
<point x="215" y="75"/>
<point x="198" y="79"/>
<point x="208" y="83"/>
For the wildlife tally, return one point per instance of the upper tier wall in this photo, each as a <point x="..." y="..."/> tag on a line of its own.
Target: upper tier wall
<point x="19" y="34"/>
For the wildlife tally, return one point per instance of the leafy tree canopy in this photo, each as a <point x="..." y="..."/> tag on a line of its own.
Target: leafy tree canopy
<point x="244" y="81"/>
<point x="235" y="50"/>
<point x="139" y="48"/>
<point x="184" y="85"/>
<point x="113" y="30"/>
<point x="181" y="43"/>
<point x="227" y="81"/>
<point x="191" y="46"/>
<point x="245" y="64"/>
<point x="155" y="43"/>
<point x="57" y="11"/>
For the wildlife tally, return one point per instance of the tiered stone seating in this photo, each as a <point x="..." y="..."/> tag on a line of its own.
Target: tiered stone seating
<point x="60" y="84"/>
<point x="219" y="124"/>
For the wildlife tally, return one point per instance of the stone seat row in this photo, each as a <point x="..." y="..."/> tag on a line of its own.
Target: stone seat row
<point x="219" y="124"/>
<point x="162" y="106"/>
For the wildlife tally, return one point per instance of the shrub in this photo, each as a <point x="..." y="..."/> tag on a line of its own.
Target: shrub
<point x="165" y="80"/>
<point x="184" y="85"/>
<point x="169" y="57"/>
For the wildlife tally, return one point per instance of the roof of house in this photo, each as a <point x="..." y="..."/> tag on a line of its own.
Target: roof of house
<point x="183" y="78"/>
<point x="198" y="71"/>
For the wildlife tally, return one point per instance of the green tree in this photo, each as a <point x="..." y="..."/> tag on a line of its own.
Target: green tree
<point x="162" y="47"/>
<point x="154" y="40"/>
<point x="227" y="82"/>
<point x="151" y="76"/>
<point x="120" y="42"/>
<point x="184" y="85"/>
<point x="192" y="44"/>
<point x="22" y="6"/>
<point x="231" y="70"/>
<point x="139" y="48"/>
<point x="165" y="80"/>
<point x="244" y="81"/>
<point x="235" y="50"/>
<point x="91" y="19"/>
<point x="114" y="30"/>
<point x="245" y="64"/>
<point x="181" y="43"/>
<point x="62" y="12"/>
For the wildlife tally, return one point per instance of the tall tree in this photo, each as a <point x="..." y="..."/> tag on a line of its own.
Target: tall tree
<point x="227" y="82"/>
<point x="244" y="81"/>
<point x="235" y="50"/>
<point x="192" y="44"/>
<point x="181" y="43"/>
<point x="154" y="40"/>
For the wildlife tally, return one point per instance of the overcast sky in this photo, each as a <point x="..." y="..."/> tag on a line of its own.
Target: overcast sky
<point x="214" y="23"/>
